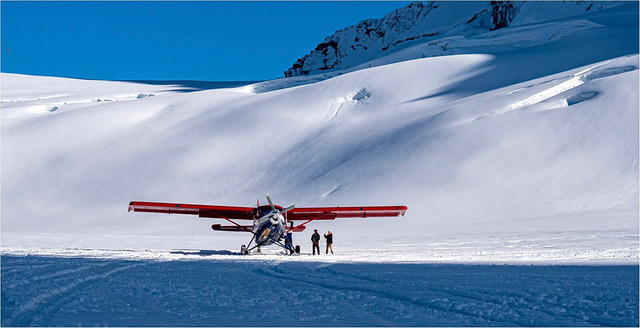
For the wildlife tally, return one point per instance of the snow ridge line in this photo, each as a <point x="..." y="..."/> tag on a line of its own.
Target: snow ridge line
<point x="549" y="93"/>
<point x="574" y="81"/>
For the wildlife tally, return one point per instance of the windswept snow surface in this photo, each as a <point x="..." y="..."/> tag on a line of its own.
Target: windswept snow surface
<point x="54" y="291"/>
<point x="525" y="155"/>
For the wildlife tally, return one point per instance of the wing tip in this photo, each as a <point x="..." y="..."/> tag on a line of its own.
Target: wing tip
<point x="403" y="210"/>
<point x="133" y="205"/>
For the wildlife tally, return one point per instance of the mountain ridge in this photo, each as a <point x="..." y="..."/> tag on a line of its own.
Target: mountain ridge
<point x="421" y="22"/>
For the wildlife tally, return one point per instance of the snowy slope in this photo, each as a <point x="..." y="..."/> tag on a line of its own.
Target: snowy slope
<point x="517" y="154"/>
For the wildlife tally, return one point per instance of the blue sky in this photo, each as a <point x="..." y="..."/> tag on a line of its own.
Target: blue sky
<point x="211" y="41"/>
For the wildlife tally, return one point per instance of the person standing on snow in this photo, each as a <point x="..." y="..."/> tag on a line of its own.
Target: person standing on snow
<point x="329" y="237"/>
<point x="315" y="240"/>
<point x="288" y="240"/>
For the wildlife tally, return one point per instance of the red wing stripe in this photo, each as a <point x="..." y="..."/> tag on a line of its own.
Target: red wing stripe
<point x="193" y="206"/>
<point x="330" y="213"/>
<point x="163" y="209"/>
<point x="211" y="211"/>
<point x="340" y="213"/>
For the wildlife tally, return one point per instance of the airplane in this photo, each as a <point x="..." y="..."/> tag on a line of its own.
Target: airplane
<point x="269" y="221"/>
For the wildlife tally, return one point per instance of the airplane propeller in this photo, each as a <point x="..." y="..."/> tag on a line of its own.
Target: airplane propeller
<point x="270" y="203"/>
<point x="277" y="211"/>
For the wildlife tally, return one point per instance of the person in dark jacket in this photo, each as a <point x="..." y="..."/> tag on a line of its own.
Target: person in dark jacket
<point x="315" y="240"/>
<point x="329" y="237"/>
<point x="288" y="240"/>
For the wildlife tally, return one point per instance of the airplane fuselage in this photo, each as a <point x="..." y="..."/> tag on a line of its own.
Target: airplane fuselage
<point x="268" y="226"/>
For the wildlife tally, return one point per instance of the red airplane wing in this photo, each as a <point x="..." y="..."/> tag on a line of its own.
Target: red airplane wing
<point x="331" y="213"/>
<point x="205" y="211"/>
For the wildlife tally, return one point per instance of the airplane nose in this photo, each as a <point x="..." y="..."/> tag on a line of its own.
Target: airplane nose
<point x="277" y="218"/>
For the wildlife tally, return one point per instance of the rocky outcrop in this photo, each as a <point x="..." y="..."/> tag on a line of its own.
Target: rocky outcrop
<point x="423" y="22"/>
<point x="502" y="13"/>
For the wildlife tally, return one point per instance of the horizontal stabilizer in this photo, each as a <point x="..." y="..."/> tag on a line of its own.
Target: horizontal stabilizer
<point x="219" y="227"/>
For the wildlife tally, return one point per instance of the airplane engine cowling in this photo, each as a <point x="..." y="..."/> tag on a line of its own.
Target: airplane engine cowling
<point x="276" y="218"/>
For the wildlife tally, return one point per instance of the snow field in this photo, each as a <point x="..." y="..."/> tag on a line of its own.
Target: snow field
<point x="565" y="248"/>
<point x="89" y="292"/>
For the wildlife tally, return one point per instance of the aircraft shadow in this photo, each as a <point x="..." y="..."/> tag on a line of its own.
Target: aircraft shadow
<point x="204" y="252"/>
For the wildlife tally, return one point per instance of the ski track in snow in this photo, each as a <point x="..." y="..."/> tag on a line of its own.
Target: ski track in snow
<point x="114" y="292"/>
<point x="59" y="288"/>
